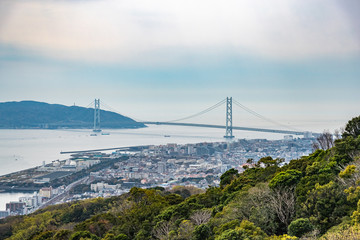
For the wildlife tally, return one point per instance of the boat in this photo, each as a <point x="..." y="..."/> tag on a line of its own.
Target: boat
<point x="93" y="134"/>
<point x="166" y="135"/>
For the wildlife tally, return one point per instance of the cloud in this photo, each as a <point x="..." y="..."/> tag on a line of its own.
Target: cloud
<point x="162" y="31"/>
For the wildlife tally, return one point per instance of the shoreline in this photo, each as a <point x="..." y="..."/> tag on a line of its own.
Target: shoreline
<point x="18" y="190"/>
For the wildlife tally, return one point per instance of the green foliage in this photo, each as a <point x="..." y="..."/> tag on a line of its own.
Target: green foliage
<point x="248" y="179"/>
<point x="185" y="229"/>
<point x="348" y="172"/>
<point x="255" y="205"/>
<point x="184" y="209"/>
<point x="300" y="226"/>
<point x="352" y="128"/>
<point x="33" y="225"/>
<point x="246" y="231"/>
<point x="201" y="232"/>
<point x="98" y="224"/>
<point x="326" y="205"/>
<point x="318" y="171"/>
<point x="186" y="191"/>
<point x="109" y="236"/>
<point x="269" y="161"/>
<point x="288" y="178"/>
<point x="80" y="211"/>
<point x="355" y="217"/>
<point x="252" y="230"/>
<point x="121" y="236"/>
<point x="226" y="226"/>
<point x="44" y="235"/>
<point x="173" y="199"/>
<point x="231" y="234"/>
<point x="142" y="235"/>
<point x="348" y="233"/>
<point x="62" y="235"/>
<point x="83" y="235"/>
<point x="353" y="194"/>
<point x="347" y="149"/>
<point x="227" y="177"/>
<point x="282" y="237"/>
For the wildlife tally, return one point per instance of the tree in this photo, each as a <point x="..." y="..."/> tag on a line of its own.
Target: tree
<point x="201" y="216"/>
<point x="300" y="226"/>
<point x="246" y="231"/>
<point x="325" y="141"/>
<point x="269" y="161"/>
<point x="227" y="177"/>
<point x="283" y="203"/>
<point x="352" y="128"/>
<point x="185" y="230"/>
<point x="350" y="175"/>
<point x="186" y="191"/>
<point x="62" y="235"/>
<point x="201" y="232"/>
<point x="121" y="236"/>
<point x="226" y="226"/>
<point x="285" y="179"/>
<point x="162" y="230"/>
<point x="355" y="217"/>
<point x="325" y="205"/>
<point x="83" y="235"/>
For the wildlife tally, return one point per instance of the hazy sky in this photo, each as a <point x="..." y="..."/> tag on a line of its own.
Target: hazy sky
<point x="294" y="61"/>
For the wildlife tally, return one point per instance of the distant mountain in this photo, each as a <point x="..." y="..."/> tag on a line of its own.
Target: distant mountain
<point x="31" y="114"/>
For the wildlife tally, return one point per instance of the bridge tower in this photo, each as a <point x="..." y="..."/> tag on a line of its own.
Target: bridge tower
<point x="229" y="128"/>
<point x="97" y="116"/>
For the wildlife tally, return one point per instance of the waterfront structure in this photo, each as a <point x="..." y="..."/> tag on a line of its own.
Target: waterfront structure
<point x="46" y="192"/>
<point x="4" y="214"/>
<point x="15" y="208"/>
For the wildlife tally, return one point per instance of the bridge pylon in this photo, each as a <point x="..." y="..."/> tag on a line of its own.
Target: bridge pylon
<point x="97" y="116"/>
<point x="229" y="127"/>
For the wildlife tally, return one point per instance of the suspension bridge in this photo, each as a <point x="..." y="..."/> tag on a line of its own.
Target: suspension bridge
<point x="228" y="120"/>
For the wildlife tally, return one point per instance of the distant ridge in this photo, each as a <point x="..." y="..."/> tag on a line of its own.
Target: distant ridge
<point x="32" y="114"/>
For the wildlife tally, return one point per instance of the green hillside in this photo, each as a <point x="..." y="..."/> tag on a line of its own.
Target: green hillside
<point x="315" y="197"/>
<point x="31" y="114"/>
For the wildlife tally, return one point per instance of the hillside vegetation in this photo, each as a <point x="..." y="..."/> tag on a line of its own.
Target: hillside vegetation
<point x="314" y="197"/>
<point x="31" y="114"/>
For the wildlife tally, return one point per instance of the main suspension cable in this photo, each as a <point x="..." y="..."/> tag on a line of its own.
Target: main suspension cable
<point x="200" y="113"/>
<point x="261" y="116"/>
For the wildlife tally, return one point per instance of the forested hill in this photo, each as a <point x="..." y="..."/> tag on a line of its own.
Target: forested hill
<point x="314" y="197"/>
<point x="31" y="114"/>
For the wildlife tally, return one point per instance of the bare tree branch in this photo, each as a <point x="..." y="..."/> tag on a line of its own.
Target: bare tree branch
<point x="201" y="216"/>
<point x="324" y="141"/>
<point x="161" y="231"/>
<point x="283" y="202"/>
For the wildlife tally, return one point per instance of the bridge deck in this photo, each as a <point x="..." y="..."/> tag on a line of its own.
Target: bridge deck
<point x="234" y="128"/>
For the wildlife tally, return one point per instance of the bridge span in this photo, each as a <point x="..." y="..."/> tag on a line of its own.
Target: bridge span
<point x="229" y="123"/>
<point x="233" y="127"/>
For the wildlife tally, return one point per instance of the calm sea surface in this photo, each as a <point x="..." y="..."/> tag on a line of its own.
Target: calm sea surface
<point x="22" y="149"/>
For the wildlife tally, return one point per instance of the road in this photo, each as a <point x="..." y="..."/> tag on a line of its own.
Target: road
<point x="61" y="196"/>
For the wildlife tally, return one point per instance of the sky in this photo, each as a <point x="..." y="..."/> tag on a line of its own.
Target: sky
<point x="296" y="62"/>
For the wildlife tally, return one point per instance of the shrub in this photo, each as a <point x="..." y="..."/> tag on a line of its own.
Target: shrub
<point x="299" y="227"/>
